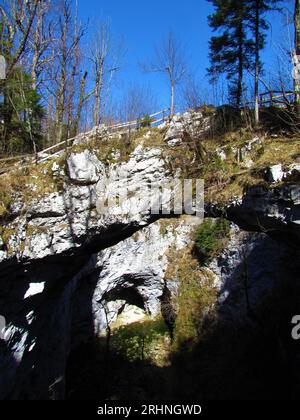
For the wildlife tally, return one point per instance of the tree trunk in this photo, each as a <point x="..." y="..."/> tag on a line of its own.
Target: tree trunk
<point x="172" y="107"/>
<point x="257" y="63"/>
<point x="297" y="53"/>
<point x="241" y="38"/>
<point x="98" y="86"/>
<point x="37" y="45"/>
<point x="239" y="91"/>
<point x="80" y="103"/>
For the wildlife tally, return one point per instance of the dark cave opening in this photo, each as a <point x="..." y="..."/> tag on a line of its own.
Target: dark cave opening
<point x="129" y="294"/>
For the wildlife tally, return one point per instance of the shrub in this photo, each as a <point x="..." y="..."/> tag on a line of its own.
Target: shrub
<point x="145" y="122"/>
<point x="211" y="237"/>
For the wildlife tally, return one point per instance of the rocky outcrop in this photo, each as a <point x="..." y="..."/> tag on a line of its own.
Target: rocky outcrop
<point x="185" y="126"/>
<point x="75" y="300"/>
<point x="62" y="222"/>
<point x="70" y="266"/>
<point x="274" y="211"/>
<point x="129" y="273"/>
<point x="84" y="168"/>
<point x="251" y="267"/>
<point x="68" y="269"/>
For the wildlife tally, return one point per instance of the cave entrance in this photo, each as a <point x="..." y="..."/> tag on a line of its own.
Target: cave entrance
<point x="101" y="367"/>
<point x="124" y="306"/>
<point x="129" y="295"/>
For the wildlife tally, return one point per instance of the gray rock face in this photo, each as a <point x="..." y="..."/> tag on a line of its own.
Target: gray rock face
<point x="132" y="178"/>
<point x="61" y="223"/>
<point x="274" y="211"/>
<point x="252" y="267"/>
<point x="74" y="301"/>
<point x="131" y="272"/>
<point x="68" y="269"/>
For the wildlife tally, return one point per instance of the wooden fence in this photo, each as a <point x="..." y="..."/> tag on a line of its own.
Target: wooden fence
<point x="55" y="150"/>
<point x="277" y="98"/>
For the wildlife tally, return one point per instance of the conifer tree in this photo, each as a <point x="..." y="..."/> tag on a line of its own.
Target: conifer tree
<point x="256" y="16"/>
<point x="232" y="51"/>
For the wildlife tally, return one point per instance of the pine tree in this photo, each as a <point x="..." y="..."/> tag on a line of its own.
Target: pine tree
<point x="21" y="113"/>
<point x="232" y="51"/>
<point x="256" y="15"/>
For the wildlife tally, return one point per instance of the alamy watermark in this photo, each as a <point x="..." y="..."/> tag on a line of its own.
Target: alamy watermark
<point x="2" y="327"/>
<point x="172" y="196"/>
<point x="296" y="328"/>
<point x="2" y="68"/>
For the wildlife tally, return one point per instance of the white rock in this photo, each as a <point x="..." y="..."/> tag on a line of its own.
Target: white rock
<point x="275" y="173"/>
<point x="137" y="263"/>
<point x="84" y="168"/>
<point x="57" y="170"/>
<point x="248" y="163"/>
<point x="34" y="289"/>
<point x="187" y="124"/>
<point x="221" y="154"/>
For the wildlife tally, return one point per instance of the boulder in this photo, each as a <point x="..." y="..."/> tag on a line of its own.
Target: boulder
<point x="275" y="173"/>
<point x="84" y="168"/>
<point x="184" y="126"/>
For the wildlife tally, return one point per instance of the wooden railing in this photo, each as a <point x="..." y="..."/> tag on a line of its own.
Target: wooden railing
<point x="55" y="150"/>
<point x="276" y="97"/>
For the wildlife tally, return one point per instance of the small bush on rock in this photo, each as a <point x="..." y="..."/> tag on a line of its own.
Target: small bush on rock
<point x="211" y="237"/>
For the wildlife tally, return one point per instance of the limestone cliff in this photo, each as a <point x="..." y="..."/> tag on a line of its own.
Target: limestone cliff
<point x="68" y="271"/>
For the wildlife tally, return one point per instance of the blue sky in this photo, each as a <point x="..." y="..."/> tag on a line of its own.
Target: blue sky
<point x="144" y="24"/>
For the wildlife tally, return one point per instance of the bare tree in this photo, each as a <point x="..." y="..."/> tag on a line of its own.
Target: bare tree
<point x="99" y="55"/>
<point x="18" y="19"/>
<point x="40" y="42"/>
<point x="169" y="60"/>
<point x="66" y="67"/>
<point x="105" y="57"/>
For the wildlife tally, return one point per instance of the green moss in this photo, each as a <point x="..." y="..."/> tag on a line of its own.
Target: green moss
<point x="7" y="233"/>
<point x="196" y="297"/>
<point x="163" y="229"/>
<point x="136" y="236"/>
<point x="211" y="237"/>
<point x="32" y="230"/>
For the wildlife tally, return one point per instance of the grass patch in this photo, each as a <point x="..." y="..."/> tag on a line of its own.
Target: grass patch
<point x="196" y="296"/>
<point x="211" y="238"/>
<point x="27" y="184"/>
<point x="228" y="180"/>
<point x="140" y="340"/>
